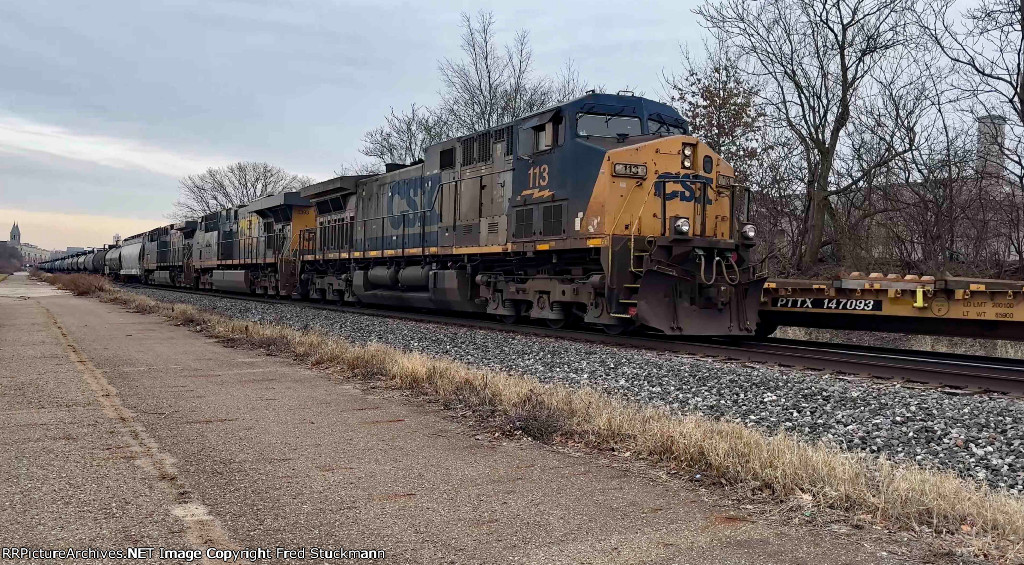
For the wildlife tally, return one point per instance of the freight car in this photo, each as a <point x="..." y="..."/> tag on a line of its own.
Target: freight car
<point x="949" y="306"/>
<point x="603" y="210"/>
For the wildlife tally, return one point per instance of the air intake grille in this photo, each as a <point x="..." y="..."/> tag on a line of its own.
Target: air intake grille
<point x="467" y="151"/>
<point x="524" y="223"/>
<point x="552" y="220"/>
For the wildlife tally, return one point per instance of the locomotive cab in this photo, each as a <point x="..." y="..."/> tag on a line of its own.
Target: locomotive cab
<point x="624" y="174"/>
<point x="676" y="219"/>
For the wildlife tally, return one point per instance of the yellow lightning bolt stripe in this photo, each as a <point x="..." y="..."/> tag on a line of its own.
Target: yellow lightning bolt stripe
<point x="536" y="193"/>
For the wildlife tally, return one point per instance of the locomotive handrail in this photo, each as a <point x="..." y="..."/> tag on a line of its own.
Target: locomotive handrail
<point x="318" y="249"/>
<point x="312" y="239"/>
<point x="433" y="204"/>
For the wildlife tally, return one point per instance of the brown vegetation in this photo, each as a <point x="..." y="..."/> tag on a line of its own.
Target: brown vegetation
<point x="77" y="284"/>
<point x="898" y="496"/>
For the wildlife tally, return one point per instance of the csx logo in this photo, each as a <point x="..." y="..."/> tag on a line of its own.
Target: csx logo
<point x="686" y="192"/>
<point x="409" y="192"/>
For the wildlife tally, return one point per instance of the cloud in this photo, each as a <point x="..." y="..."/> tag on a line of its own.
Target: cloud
<point x="52" y="230"/>
<point x="19" y="136"/>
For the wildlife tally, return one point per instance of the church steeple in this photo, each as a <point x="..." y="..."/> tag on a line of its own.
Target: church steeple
<point x="15" y="234"/>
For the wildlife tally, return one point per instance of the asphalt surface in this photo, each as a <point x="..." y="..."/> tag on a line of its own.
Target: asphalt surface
<point x="120" y="430"/>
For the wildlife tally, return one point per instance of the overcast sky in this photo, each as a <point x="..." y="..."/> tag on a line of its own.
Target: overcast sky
<point x="104" y="105"/>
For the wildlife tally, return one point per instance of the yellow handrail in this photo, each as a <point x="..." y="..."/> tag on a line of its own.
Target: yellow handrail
<point x="633" y="232"/>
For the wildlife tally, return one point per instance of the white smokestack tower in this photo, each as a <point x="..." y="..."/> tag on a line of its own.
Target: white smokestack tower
<point x="991" y="143"/>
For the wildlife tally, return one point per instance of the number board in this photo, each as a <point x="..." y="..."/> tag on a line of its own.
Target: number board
<point x="859" y="305"/>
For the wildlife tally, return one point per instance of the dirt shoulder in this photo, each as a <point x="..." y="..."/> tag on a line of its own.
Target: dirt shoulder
<point x="205" y="444"/>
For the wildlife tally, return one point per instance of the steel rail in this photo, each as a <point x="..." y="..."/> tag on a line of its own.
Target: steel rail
<point x="960" y="371"/>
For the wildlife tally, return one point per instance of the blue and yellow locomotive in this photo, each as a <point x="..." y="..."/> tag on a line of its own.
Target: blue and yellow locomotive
<point x="601" y="210"/>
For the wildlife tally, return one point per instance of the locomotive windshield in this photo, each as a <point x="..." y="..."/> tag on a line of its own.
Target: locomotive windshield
<point x="603" y="125"/>
<point x="661" y="128"/>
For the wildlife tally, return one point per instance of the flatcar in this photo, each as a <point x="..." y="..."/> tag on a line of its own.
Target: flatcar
<point x="603" y="210"/>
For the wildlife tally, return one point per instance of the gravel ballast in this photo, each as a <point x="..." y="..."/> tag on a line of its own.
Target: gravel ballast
<point x="981" y="436"/>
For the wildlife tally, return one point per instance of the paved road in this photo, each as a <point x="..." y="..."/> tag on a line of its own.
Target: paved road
<point x="121" y="430"/>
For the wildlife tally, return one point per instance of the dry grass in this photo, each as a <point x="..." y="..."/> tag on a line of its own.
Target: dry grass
<point x="78" y="284"/>
<point x="3" y="277"/>
<point x="898" y="496"/>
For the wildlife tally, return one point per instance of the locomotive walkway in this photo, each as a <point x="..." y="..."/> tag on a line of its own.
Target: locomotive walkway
<point x="119" y="430"/>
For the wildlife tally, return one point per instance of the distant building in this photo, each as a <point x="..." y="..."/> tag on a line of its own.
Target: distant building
<point x="60" y="253"/>
<point x="32" y="254"/>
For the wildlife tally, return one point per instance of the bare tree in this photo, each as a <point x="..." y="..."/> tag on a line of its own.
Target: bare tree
<point x="492" y="84"/>
<point x="568" y="84"/>
<point x="776" y="181"/>
<point x="717" y="95"/>
<point x="404" y="135"/>
<point x="821" y="62"/>
<point x="934" y="215"/>
<point x="359" y="168"/>
<point x="879" y="133"/>
<point x="719" y="99"/>
<point x="234" y="185"/>
<point x="986" y="47"/>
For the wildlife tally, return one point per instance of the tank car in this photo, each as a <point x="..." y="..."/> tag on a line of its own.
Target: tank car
<point x="112" y="262"/>
<point x="98" y="260"/>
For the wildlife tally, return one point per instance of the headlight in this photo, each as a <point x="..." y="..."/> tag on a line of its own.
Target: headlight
<point x="687" y="163"/>
<point x="682" y="226"/>
<point x="630" y="170"/>
<point x="688" y="150"/>
<point x="748" y="231"/>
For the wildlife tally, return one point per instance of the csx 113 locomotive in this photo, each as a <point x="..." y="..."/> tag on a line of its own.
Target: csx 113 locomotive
<point x="603" y="210"/>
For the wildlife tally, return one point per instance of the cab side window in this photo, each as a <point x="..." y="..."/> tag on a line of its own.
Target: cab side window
<point x="536" y="136"/>
<point x="542" y="137"/>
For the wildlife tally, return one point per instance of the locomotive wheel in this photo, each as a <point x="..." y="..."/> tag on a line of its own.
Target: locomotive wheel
<point x="616" y="329"/>
<point x="557" y="324"/>
<point x="509" y="318"/>
<point x="571" y="320"/>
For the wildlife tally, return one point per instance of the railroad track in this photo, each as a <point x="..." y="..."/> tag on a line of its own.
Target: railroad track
<point x="969" y="373"/>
